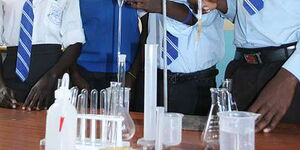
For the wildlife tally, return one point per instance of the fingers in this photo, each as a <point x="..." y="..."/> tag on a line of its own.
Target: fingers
<point x="6" y="102"/>
<point x="45" y="103"/>
<point x="276" y="119"/>
<point x="135" y="1"/>
<point x="137" y="5"/>
<point x="262" y="111"/>
<point x="265" y="121"/>
<point x="28" y="99"/>
<point x="206" y="9"/>
<point x="41" y="102"/>
<point x="34" y="102"/>
<point x="256" y="106"/>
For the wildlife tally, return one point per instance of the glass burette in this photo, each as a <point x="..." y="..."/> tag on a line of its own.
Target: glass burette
<point x="120" y="3"/>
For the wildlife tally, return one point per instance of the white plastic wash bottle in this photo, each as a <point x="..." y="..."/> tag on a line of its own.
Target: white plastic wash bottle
<point x="61" y="124"/>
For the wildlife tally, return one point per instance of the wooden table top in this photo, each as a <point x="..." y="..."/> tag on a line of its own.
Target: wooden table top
<point x="21" y="130"/>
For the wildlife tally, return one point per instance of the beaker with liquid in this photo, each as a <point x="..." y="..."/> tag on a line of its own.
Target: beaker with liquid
<point x="237" y="130"/>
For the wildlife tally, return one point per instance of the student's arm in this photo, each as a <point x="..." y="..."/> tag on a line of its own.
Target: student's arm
<point x="77" y="79"/>
<point x="276" y="98"/>
<point x="72" y="39"/>
<point x="138" y="62"/>
<point x="6" y="95"/>
<point x="177" y="11"/>
<point x="221" y="5"/>
<point x="227" y="7"/>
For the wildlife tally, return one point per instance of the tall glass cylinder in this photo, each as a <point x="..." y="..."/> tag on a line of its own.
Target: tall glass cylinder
<point x="150" y="96"/>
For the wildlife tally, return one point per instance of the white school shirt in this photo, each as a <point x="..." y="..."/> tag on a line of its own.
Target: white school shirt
<point x="55" y="22"/>
<point x="276" y="24"/>
<point x="193" y="55"/>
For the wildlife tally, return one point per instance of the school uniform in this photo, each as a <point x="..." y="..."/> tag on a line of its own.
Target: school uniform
<point x="34" y="32"/>
<point x="191" y="62"/>
<point x="267" y="35"/>
<point x="97" y="63"/>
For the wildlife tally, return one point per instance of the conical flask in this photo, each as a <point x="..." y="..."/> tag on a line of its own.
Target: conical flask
<point x="227" y="84"/>
<point x="112" y="98"/>
<point x="210" y="134"/>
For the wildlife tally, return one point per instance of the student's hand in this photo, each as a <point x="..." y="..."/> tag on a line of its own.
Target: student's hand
<point x="208" y="5"/>
<point x="40" y="93"/>
<point x="274" y="100"/>
<point x="78" y="81"/>
<point x="7" y="99"/>
<point x="151" y="6"/>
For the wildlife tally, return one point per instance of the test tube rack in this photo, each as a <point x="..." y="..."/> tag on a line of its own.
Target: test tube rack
<point x="94" y="142"/>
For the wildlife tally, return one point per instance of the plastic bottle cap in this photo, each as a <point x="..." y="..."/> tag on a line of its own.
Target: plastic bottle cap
<point x="63" y="92"/>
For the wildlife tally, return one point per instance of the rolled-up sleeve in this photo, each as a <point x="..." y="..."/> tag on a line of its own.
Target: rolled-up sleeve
<point x="1" y="22"/>
<point x="293" y="63"/>
<point x="71" y="30"/>
<point x="231" y="10"/>
<point x="177" y="26"/>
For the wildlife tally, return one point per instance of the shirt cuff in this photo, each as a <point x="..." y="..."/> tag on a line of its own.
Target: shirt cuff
<point x="72" y="37"/>
<point x="292" y="64"/>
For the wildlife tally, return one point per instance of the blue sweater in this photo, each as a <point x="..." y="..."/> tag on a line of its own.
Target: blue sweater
<point x="100" y="23"/>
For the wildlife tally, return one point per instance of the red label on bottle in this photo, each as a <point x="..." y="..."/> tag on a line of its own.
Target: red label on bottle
<point x="61" y="122"/>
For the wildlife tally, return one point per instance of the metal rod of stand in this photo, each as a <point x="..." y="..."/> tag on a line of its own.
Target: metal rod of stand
<point x="165" y="76"/>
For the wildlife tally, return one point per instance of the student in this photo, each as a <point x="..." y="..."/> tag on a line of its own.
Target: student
<point x="265" y="70"/>
<point x="34" y="32"/>
<point x="97" y="63"/>
<point x="191" y="62"/>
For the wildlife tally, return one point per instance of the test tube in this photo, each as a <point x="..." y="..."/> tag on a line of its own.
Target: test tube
<point x="82" y="109"/>
<point x="86" y="94"/>
<point x="74" y="92"/>
<point x="121" y="76"/>
<point x="227" y="84"/>
<point x="105" y="101"/>
<point x="93" y="110"/>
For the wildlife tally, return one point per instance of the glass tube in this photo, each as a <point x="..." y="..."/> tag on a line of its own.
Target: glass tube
<point x="94" y="102"/>
<point x="74" y="92"/>
<point x="120" y="3"/>
<point x="227" y="84"/>
<point x="82" y="109"/>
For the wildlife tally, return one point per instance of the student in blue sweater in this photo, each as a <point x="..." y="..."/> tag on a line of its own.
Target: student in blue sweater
<point x="97" y="63"/>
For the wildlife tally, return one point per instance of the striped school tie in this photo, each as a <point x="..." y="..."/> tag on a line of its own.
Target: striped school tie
<point x="172" y="48"/>
<point x="25" y="42"/>
<point x="253" y="6"/>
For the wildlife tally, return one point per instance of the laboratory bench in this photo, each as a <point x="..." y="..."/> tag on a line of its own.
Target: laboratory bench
<point x="22" y="130"/>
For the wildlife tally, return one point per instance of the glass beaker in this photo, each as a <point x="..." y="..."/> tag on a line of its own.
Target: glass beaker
<point x="172" y="129"/>
<point x="210" y="134"/>
<point x="237" y="130"/>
